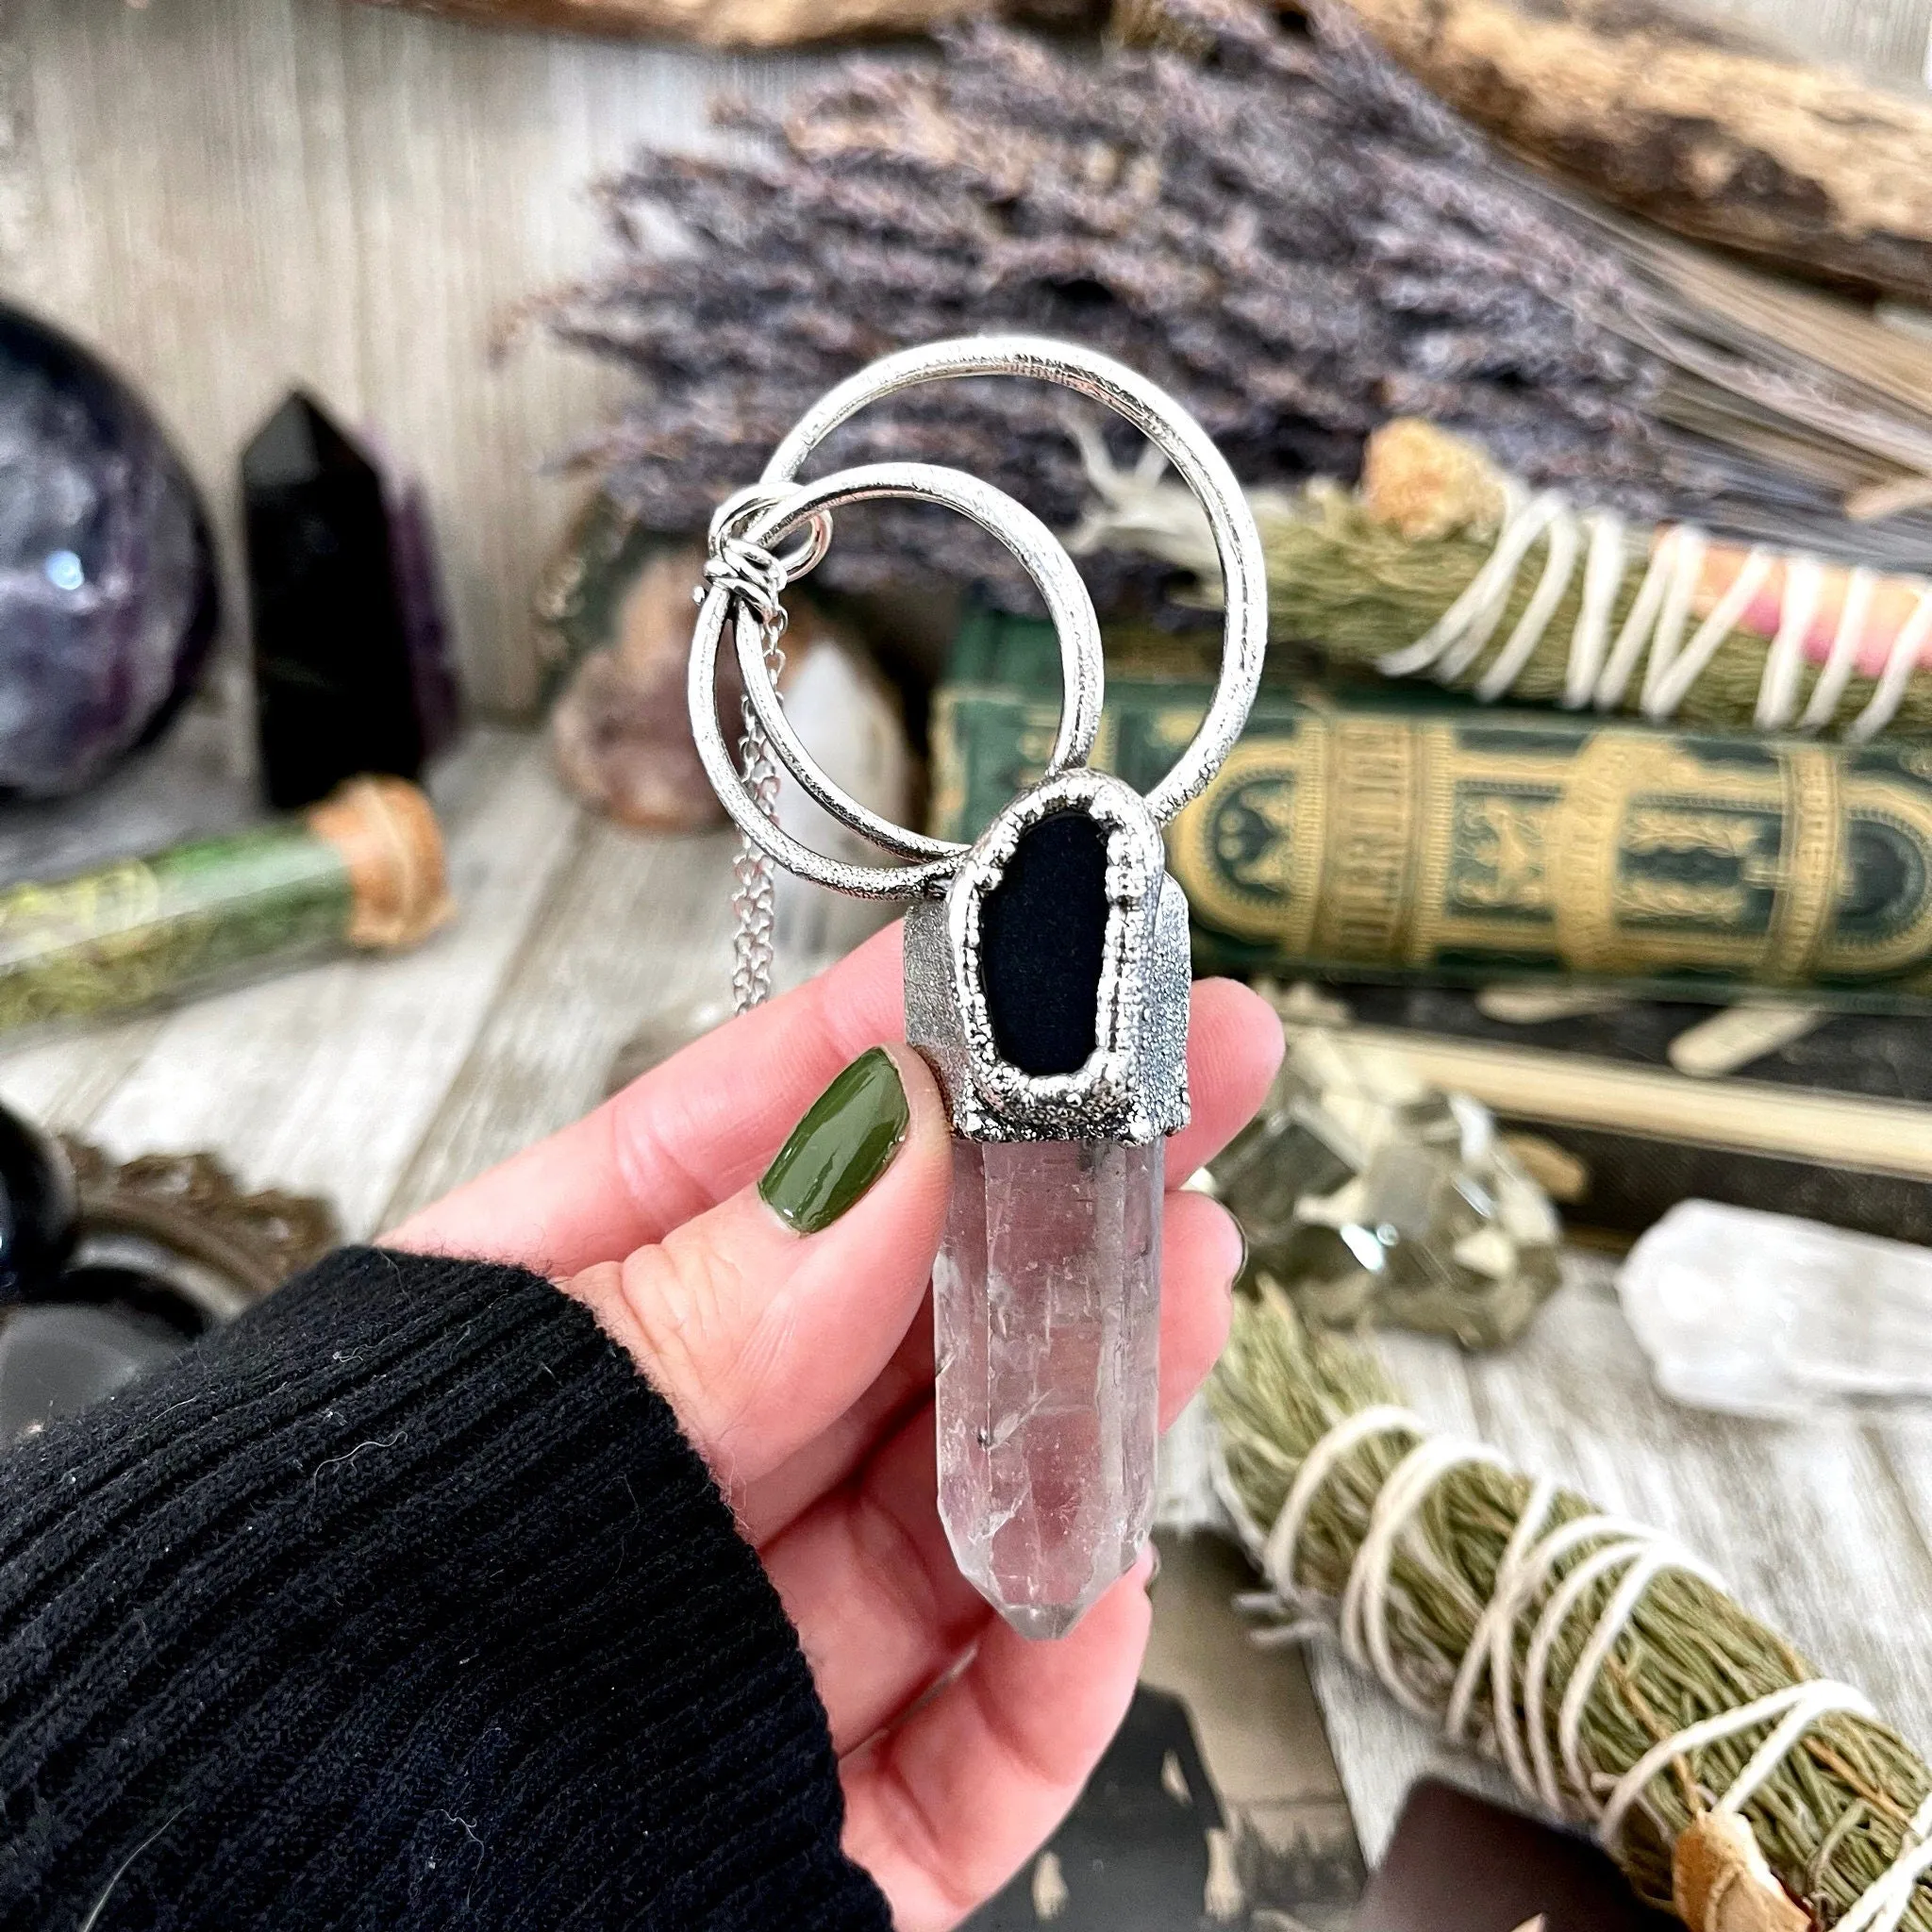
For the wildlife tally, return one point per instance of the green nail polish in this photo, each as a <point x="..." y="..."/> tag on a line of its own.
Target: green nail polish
<point x="839" y="1149"/>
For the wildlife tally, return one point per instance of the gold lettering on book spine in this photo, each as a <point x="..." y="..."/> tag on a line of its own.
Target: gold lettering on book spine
<point x="1368" y="898"/>
<point x="1250" y="852"/>
<point x="1775" y="827"/>
<point x="1371" y="839"/>
<point x="1811" y="863"/>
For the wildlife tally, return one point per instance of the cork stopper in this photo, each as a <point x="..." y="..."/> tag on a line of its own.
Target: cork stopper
<point x="1720" y="1882"/>
<point x="387" y="835"/>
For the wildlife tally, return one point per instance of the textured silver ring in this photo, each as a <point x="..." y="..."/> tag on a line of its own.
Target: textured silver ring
<point x="1178" y="438"/>
<point x="1037" y="549"/>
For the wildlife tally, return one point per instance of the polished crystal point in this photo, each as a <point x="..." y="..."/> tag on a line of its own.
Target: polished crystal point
<point x="351" y="667"/>
<point x="1047" y="1305"/>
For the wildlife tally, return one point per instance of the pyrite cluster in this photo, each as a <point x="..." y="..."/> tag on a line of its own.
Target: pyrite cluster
<point x="1375" y="1198"/>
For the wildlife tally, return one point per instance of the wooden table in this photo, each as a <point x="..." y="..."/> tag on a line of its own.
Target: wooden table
<point x="381" y="1083"/>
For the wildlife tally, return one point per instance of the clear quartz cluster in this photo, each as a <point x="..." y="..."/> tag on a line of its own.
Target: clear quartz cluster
<point x="1046" y="1307"/>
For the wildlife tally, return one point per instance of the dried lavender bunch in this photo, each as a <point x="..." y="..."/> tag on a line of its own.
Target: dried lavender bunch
<point x="1276" y="226"/>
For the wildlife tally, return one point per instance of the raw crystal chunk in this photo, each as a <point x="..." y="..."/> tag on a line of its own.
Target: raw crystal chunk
<point x="1047" y="1305"/>
<point x="1763" y="1314"/>
<point x="1370" y="1196"/>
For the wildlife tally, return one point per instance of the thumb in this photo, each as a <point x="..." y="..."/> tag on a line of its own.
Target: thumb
<point x="765" y="1319"/>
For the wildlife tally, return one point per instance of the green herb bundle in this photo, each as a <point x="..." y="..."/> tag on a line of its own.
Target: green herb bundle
<point x="1838" y="1814"/>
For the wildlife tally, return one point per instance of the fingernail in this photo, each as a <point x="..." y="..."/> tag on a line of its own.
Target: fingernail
<point x="838" y="1152"/>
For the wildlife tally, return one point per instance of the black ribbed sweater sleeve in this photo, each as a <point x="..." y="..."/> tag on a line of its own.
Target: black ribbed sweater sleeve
<point x="401" y="1604"/>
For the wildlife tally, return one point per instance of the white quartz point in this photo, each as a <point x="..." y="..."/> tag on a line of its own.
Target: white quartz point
<point x="1764" y="1314"/>
<point x="1046" y="1309"/>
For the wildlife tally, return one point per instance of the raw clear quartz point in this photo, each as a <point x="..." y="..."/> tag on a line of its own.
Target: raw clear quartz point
<point x="1763" y="1314"/>
<point x="1046" y="1307"/>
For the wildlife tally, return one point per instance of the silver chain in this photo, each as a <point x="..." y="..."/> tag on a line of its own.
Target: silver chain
<point x="757" y="580"/>
<point x="755" y="899"/>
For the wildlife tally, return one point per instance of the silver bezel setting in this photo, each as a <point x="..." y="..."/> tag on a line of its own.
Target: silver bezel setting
<point x="1133" y="1085"/>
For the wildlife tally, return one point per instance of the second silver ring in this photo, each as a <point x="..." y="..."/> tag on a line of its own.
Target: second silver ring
<point x="934" y="861"/>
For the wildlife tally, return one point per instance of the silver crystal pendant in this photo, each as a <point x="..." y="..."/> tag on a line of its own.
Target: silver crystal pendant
<point x="1046" y="981"/>
<point x="1049" y="990"/>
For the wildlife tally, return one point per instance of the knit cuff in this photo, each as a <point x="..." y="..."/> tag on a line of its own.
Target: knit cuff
<point x="403" y="1601"/>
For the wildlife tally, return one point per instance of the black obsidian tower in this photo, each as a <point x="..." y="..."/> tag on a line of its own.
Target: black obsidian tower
<point x="333" y="680"/>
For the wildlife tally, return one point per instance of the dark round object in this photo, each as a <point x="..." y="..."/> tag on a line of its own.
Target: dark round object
<point x="145" y="1301"/>
<point x="60" y="1360"/>
<point x="39" y="1210"/>
<point x="108" y="596"/>
<point x="88" y="1333"/>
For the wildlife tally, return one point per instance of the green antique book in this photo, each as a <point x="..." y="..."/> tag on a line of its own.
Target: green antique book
<point x="1385" y="833"/>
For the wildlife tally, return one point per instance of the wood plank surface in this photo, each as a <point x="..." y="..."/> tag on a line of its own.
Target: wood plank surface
<point x="1886" y="38"/>
<point x="383" y="1082"/>
<point x="631" y="927"/>
<point x="326" y="1081"/>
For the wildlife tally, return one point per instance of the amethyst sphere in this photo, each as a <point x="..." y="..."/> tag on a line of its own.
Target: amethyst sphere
<point x="107" y="588"/>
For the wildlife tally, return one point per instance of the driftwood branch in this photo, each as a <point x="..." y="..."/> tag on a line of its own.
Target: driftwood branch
<point x="1702" y="132"/>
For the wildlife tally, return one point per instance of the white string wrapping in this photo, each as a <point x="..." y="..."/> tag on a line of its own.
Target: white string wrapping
<point x="1651" y="637"/>
<point x="1548" y="1763"/>
<point x="1133" y="507"/>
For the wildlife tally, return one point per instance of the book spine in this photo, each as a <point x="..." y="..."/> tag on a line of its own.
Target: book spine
<point x="1453" y="843"/>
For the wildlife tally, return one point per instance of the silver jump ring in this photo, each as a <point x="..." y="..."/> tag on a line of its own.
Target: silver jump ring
<point x="1038" y="551"/>
<point x="1178" y="438"/>
<point x="730" y="519"/>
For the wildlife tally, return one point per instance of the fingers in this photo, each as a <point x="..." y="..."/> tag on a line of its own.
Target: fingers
<point x="699" y="1127"/>
<point x="762" y="1333"/>
<point x="1234" y="1047"/>
<point x="674" y="1143"/>
<point x="869" y="1578"/>
<point x="773" y="1504"/>
<point x="945" y="1808"/>
<point x="1202" y="1251"/>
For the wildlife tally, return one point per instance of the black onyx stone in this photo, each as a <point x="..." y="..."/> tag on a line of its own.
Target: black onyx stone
<point x="108" y="584"/>
<point x="1043" y="939"/>
<point x="335" y="682"/>
<point x="39" y="1210"/>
